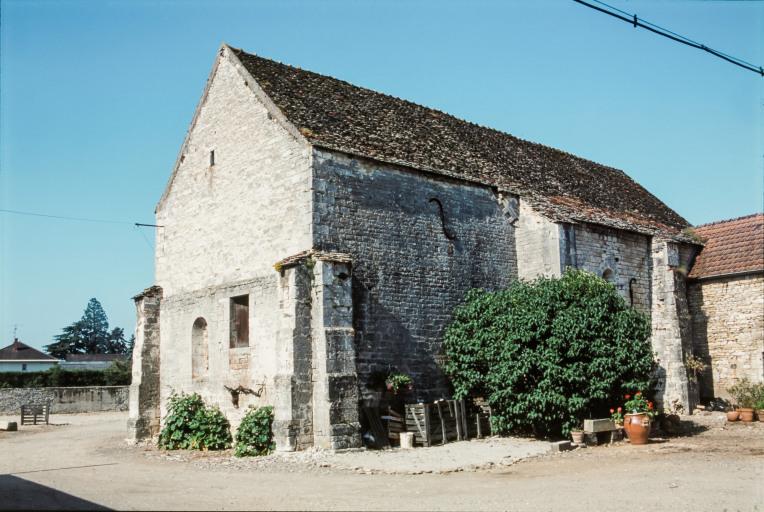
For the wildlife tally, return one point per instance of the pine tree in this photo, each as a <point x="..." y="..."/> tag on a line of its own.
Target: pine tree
<point x="90" y="335"/>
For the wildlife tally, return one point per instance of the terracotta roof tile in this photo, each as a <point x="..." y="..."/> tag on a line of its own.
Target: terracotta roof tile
<point x="731" y="247"/>
<point x="337" y="115"/>
<point x="18" y="351"/>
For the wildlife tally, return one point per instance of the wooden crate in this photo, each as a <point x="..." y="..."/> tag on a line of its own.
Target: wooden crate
<point x="478" y="418"/>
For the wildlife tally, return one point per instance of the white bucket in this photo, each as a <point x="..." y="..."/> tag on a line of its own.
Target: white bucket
<point x="407" y="440"/>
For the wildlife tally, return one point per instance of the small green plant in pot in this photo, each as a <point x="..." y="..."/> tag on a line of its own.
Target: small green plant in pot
<point x="745" y="395"/>
<point x="397" y="381"/>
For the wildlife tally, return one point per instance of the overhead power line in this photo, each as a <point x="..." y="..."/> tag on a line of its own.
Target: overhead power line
<point x="80" y="219"/>
<point x="634" y="20"/>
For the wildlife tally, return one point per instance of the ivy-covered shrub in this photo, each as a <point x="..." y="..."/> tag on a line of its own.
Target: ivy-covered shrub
<point x="192" y="425"/>
<point x="255" y="434"/>
<point x="548" y="353"/>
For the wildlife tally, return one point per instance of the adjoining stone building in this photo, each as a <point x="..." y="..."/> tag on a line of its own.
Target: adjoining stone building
<point x="316" y="234"/>
<point x="726" y="299"/>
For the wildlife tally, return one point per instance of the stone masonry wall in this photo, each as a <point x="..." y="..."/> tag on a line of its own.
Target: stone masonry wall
<point x="418" y="243"/>
<point x="624" y="254"/>
<point x="226" y="220"/>
<point x="231" y="221"/>
<point x="728" y="330"/>
<point x="538" y="245"/>
<point x="66" y="400"/>
<point x="671" y="331"/>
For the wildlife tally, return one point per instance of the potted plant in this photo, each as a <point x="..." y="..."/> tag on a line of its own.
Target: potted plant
<point x="759" y="405"/>
<point x="397" y="381"/>
<point x="732" y="414"/>
<point x="616" y="414"/>
<point x="636" y="421"/>
<point x="745" y="395"/>
<point x="577" y="434"/>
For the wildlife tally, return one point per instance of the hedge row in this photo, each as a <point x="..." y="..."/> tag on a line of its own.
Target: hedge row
<point x="118" y="374"/>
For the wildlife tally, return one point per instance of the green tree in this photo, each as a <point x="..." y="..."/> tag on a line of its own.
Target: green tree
<point x="90" y="335"/>
<point x="548" y="353"/>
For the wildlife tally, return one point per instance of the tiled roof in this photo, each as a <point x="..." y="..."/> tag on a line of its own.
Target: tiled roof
<point x="731" y="247"/>
<point x="337" y="115"/>
<point x="87" y="358"/>
<point x="18" y="351"/>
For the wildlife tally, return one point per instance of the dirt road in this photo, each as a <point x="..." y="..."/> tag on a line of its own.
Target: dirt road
<point x="85" y="465"/>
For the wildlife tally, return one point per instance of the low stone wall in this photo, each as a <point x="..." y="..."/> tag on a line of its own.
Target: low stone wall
<point x="66" y="400"/>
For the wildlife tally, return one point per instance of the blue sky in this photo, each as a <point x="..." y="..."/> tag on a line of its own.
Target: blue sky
<point x="96" y="97"/>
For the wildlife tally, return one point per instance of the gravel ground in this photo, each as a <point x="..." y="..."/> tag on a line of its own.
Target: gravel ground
<point x="84" y="463"/>
<point x="452" y="457"/>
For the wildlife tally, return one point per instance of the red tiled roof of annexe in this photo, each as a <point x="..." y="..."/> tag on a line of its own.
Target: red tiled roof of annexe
<point x="339" y="116"/>
<point x="18" y="351"/>
<point x="731" y="247"/>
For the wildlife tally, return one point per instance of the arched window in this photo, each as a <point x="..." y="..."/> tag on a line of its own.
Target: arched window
<point x="199" y="350"/>
<point x="608" y="276"/>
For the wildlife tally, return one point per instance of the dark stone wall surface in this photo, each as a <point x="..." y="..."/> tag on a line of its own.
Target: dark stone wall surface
<point x="418" y="244"/>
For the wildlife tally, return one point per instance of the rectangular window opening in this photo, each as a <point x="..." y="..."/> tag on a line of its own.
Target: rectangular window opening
<point x="240" y="321"/>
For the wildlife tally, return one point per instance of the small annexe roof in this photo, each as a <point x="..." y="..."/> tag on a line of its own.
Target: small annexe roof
<point x="732" y="247"/>
<point x="20" y="352"/>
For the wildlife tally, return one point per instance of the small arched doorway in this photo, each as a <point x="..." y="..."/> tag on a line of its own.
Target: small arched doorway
<point x="199" y="350"/>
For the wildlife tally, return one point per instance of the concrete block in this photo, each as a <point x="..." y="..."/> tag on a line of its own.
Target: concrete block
<point x="560" y="446"/>
<point x="9" y="426"/>
<point x="598" y="425"/>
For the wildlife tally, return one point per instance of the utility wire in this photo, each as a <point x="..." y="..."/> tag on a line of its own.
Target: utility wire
<point x="80" y="219"/>
<point x="634" y="20"/>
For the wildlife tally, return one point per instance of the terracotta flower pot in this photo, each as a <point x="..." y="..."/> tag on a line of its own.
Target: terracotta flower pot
<point x="746" y="414"/>
<point x="577" y="436"/>
<point x="732" y="415"/>
<point x="637" y="427"/>
<point x="760" y="414"/>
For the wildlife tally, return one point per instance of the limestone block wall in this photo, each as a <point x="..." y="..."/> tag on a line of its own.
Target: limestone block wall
<point x="239" y="200"/>
<point x="418" y="243"/>
<point x="620" y="256"/>
<point x="66" y="400"/>
<point x="227" y="218"/>
<point x="538" y="245"/>
<point x="252" y="367"/>
<point x="728" y="330"/>
<point x="671" y="329"/>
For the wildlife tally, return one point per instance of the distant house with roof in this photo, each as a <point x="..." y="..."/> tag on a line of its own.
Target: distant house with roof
<point x="19" y="357"/>
<point x="726" y="302"/>
<point x="90" y="361"/>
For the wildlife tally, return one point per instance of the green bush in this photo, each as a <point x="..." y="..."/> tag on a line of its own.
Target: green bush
<point x="191" y="425"/>
<point x="548" y="353"/>
<point x="119" y="374"/>
<point x="255" y="435"/>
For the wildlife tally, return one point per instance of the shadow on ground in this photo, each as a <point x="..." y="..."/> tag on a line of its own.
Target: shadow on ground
<point x="19" y="494"/>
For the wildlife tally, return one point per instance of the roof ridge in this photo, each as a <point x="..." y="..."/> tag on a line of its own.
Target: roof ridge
<point x="717" y="222"/>
<point x="353" y="119"/>
<point x="433" y="109"/>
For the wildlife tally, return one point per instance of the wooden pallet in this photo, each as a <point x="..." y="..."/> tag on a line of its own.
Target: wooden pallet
<point x="479" y="415"/>
<point x="438" y="422"/>
<point x="34" y="414"/>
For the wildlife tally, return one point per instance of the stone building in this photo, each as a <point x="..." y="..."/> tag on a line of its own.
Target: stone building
<point x="316" y="234"/>
<point x="726" y="299"/>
